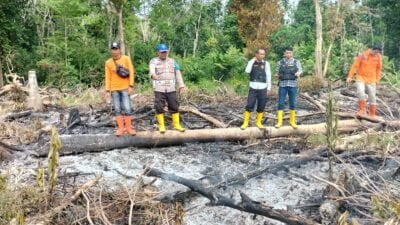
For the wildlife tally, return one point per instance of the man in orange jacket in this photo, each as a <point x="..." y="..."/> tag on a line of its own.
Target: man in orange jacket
<point x="368" y="69"/>
<point x="119" y="79"/>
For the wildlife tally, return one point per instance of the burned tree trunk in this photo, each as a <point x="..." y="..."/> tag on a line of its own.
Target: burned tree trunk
<point x="246" y="205"/>
<point x="100" y="142"/>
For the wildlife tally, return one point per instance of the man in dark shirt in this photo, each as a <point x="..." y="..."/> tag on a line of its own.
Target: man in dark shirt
<point x="288" y="70"/>
<point x="260" y="83"/>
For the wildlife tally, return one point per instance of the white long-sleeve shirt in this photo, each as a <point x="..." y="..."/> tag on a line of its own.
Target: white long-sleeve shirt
<point x="260" y="85"/>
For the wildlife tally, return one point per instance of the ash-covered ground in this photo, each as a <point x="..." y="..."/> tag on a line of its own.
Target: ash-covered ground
<point x="293" y="188"/>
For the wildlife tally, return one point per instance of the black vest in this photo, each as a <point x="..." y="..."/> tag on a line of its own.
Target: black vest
<point x="257" y="73"/>
<point x="287" y="71"/>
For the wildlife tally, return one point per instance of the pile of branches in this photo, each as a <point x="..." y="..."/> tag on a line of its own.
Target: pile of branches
<point x="91" y="204"/>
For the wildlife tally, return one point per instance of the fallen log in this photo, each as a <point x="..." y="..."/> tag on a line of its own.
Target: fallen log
<point x="193" y="110"/>
<point x="10" y="147"/>
<point x="15" y="115"/>
<point x="99" y="142"/>
<point x="361" y="117"/>
<point x="316" y="103"/>
<point x="246" y="204"/>
<point x="8" y="88"/>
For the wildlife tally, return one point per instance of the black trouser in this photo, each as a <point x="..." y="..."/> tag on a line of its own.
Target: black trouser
<point x="160" y="98"/>
<point x="259" y="95"/>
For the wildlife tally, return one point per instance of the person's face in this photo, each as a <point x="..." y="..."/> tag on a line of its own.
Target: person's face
<point x="288" y="54"/>
<point x="375" y="52"/>
<point x="163" y="55"/>
<point x="260" y="55"/>
<point x="115" y="53"/>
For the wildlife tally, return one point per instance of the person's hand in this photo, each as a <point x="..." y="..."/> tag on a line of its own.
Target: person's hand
<point x="297" y="74"/>
<point x="130" y="90"/>
<point x="378" y="78"/>
<point x="182" y="90"/>
<point x="277" y="75"/>
<point x="154" y="77"/>
<point x="107" y="95"/>
<point x="349" y="80"/>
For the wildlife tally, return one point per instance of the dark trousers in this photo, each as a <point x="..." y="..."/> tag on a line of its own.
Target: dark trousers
<point x="160" y="98"/>
<point x="292" y="92"/>
<point x="259" y="96"/>
<point x="121" y="102"/>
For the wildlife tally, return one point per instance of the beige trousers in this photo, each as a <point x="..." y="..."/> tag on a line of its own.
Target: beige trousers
<point x="365" y="91"/>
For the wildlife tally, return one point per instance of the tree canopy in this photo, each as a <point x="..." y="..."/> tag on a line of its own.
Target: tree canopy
<point x="67" y="41"/>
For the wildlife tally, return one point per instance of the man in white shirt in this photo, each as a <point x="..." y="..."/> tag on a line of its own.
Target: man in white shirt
<point x="260" y="83"/>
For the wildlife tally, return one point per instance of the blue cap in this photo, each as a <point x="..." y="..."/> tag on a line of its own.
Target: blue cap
<point x="162" y="48"/>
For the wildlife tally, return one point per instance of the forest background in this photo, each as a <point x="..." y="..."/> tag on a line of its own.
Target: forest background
<point x="67" y="41"/>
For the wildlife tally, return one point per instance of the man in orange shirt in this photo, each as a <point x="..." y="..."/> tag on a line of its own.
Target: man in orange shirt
<point x="368" y="70"/>
<point x="119" y="79"/>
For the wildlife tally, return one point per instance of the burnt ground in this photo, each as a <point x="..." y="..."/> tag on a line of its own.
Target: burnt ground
<point x="293" y="188"/>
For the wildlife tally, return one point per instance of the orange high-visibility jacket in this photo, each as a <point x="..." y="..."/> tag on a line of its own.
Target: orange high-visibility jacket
<point x="113" y="81"/>
<point x="367" y="67"/>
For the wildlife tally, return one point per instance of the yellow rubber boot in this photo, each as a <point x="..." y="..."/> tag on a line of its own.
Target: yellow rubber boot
<point x="176" y="122"/>
<point x="259" y="120"/>
<point x="279" y="123"/>
<point x="292" y="119"/>
<point x="161" y="123"/>
<point x="246" y="120"/>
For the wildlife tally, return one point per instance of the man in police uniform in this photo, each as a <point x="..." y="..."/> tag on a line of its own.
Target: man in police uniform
<point x="260" y="83"/>
<point x="288" y="70"/>
<point x="167" y="77"/>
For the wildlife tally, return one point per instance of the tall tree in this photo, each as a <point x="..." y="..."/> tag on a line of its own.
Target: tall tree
<point x="257" y="20"/>
<point x="319" y="40"/>
<point x="388" y="12"/>
<point x="119" y="5"/>
<point x="334" y="29"/>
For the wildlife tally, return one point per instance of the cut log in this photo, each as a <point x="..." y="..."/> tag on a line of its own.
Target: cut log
<point x="99" y="142"/>
<point x="246" y="204"/>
